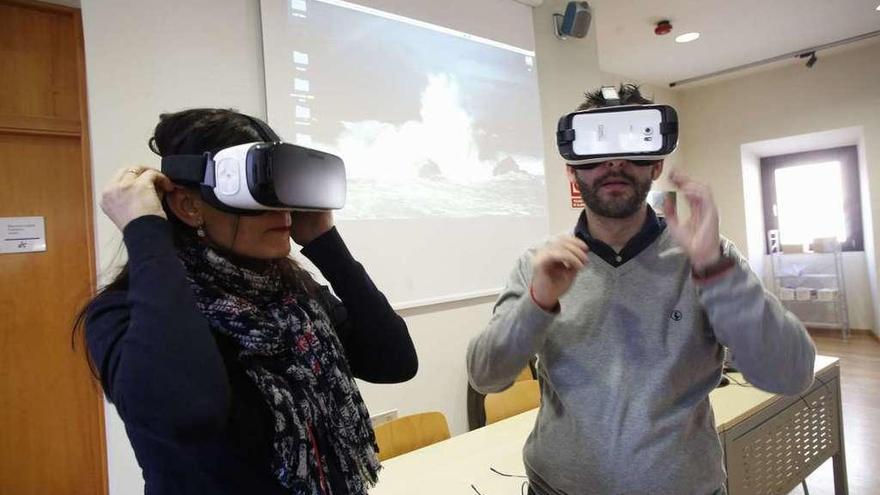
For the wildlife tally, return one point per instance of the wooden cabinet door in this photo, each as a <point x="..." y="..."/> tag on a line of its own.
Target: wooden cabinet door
<point x="51" y="408"/>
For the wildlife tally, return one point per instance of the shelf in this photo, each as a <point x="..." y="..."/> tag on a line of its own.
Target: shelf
<point x="802" y="254"/>
<point x="784" y="301"/>
<point x="808" y="275"/>
<point x="813" y="271"/>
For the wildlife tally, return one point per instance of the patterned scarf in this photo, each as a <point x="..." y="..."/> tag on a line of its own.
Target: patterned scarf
<point x="288" y="347"/>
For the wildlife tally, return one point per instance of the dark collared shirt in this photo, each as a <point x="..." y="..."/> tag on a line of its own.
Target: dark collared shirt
<point x="651" y="229"/>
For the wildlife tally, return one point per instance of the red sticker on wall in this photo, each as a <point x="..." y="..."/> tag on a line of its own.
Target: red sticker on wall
<point x="577" y="202"/>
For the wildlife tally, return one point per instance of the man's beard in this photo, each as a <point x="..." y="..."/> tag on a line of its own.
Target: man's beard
<point x="616" y="206"/>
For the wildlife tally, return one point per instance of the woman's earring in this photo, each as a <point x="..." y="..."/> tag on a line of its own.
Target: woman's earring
<point x="200" y="231"/>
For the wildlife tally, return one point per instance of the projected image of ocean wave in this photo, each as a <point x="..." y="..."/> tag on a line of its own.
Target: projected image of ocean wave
<point x="515" y="194"/>
<point x="437" y="164"/>
<point x="444" y="141"/>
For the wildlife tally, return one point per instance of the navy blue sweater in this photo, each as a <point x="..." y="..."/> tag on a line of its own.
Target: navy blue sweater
<point x="197" y="423"/>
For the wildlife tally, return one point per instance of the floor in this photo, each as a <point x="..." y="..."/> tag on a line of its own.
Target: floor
<point x="860" y="388"/>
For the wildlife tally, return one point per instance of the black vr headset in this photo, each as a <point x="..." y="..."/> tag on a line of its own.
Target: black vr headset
<point x="251" y="178"/>
<point x="642" y="134"/>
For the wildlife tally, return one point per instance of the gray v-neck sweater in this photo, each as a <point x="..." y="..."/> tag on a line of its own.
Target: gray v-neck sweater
<point x="626" y="368"/>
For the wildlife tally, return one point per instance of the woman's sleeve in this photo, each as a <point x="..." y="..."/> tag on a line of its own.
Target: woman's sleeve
<point x="158" y="361"/>
<point x="376" y="340"/>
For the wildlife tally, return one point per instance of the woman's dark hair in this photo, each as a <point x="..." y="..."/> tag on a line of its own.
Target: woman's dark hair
<point x="193" y="132"/>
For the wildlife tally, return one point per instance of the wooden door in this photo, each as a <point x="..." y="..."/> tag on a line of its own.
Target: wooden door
<point x="51" y="410"/>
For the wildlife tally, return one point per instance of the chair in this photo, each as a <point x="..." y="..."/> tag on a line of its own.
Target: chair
<point x="476" y="401"/>
<point x="520" y="397"/>
<point x="525" y="374"/>
<point x="409" y="433"/>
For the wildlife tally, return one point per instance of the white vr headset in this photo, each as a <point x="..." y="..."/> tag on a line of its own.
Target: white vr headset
<point x="639" y="133"/>
<point x="254" y="177"/>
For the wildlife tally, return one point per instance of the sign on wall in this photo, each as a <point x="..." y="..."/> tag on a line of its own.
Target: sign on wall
<point x="22" y="234"/>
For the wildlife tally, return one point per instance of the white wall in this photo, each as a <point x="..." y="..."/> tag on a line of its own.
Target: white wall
<point x="143" y="58"/>
<point x="754" y="209"/>
<point x="840" y="91"/>
<point x="565" y="70"/>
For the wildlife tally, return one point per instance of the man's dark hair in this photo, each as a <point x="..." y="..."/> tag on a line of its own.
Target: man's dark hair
<point x="629" y="95"/>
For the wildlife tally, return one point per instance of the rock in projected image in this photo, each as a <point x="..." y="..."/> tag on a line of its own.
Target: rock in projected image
<point x="433" y="166"/>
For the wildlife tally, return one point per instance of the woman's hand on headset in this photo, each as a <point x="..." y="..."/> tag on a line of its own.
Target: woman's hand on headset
<point x="306" y="226"/>
<point x="134" y="192"/>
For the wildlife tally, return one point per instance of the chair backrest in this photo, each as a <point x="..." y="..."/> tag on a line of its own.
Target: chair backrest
<point x="476" y="407"/>
<point x="520" y="397"/>
<point x="409" y="433"/>
<point x="525" y="374"/>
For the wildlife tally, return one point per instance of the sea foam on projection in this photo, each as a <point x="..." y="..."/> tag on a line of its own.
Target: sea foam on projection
<point x="438" y="158"/>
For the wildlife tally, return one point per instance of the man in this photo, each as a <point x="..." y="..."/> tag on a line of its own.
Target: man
<point x="628" y="317"/>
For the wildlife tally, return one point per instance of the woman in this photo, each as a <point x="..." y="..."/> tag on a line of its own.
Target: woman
<point x="231" y="368"/>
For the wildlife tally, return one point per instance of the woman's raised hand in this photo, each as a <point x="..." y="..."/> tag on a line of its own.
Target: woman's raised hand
<point x="134" y="192"/>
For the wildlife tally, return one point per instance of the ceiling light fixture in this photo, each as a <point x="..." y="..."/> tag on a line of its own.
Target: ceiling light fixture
<point x="687" y="37"/>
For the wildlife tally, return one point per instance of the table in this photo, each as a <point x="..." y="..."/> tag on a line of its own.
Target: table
<point x="770" y="443"/>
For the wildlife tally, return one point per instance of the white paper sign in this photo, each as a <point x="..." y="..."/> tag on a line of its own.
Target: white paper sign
<point x="22" y="234"/>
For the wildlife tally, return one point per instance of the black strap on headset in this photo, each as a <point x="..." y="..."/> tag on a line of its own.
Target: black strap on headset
<point x="194" y="170"/>
<point x="187" y="169"/>
<point x="668" y="127"/>
<point x="565" y="136"/>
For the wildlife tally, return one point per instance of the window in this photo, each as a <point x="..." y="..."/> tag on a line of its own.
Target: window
<point x="809" y="202"/>
<point x="813" y="195"/>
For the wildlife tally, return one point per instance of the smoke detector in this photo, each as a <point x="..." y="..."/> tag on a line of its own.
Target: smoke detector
<point x="663" y="27"/>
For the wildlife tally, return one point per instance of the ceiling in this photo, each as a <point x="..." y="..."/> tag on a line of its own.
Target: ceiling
<point x="732" y="32"/>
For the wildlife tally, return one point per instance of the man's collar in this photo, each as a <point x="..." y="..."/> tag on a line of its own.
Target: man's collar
<point x="651" y="229"/>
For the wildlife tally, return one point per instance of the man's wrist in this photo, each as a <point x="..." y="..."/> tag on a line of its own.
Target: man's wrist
<point x="715" y="268"/>
<point x="707" y="262"/>
<point x="544" y="307"/>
